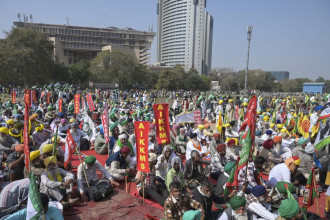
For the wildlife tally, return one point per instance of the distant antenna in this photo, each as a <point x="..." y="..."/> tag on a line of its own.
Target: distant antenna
<point x="152" y="28"/>
<point x="31" y="18"/>
<point x="67" y="21"/>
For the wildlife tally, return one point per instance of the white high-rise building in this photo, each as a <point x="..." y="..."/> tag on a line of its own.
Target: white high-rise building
<point x="185" y="32"/>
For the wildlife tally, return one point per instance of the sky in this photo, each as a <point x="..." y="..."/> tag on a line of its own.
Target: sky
<point x="288" y="35"/>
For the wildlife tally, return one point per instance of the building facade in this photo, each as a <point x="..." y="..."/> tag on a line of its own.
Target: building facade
<point x="185" y="32"/>
<point x="313" y="88"/>
<point x="75" y="43"/>
<point x="280" y="75"/>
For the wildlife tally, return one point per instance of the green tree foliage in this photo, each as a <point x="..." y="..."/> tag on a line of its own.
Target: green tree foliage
<point x="294" y="85"/>
<point x="25" y="57"/>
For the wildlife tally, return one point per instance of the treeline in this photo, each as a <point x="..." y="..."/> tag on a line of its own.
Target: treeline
<point x="27" y="58"/>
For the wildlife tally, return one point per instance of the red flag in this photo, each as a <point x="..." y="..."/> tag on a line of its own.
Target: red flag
<point x="34" y="96"/>
<point x="70" y="147"/>
<point x="13" y="97"/>
<point x="232" y="181"/>
<point x="48" y="98"/>
<point x="90" y="102"/>
<point x="284" y="116"/>
<point x="105" y="126"/>
<point x="237" y="113"/>
<point x="76" y="103"/>
<point x="60" y="103"/>
<point x="197" y="117"/>
<point x="26" y="134"/>
<point x="27" y="99"/>
<point x="162" y="123"/>
<point x="141" y="135"/>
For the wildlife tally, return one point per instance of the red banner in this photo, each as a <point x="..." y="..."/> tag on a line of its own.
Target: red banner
<point x="13" y="97"/>
<point x="141" y="135"/>
<point x="34" y="96"/>
<point x="237" y="113"/>
<point x="60" y="103"/>
<point x="25" y="131"/>
<point x="162" y="123"/>
<point x="90" y="102"/>
<point x="27" y="98"/>
<point x="197" y="117"/>
<point x="105" y="126"/>
<point x="43" y="93"/>
<point x="76" y="103"/>
<point x="70" y="148"/>
<point x="48" y="98"/>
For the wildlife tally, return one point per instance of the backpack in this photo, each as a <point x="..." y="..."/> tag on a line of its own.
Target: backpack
<point x="99" y="191"/>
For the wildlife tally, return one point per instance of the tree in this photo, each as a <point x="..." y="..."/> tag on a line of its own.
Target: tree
<point x="26" y="57"/>
<point x="167" y="80"/>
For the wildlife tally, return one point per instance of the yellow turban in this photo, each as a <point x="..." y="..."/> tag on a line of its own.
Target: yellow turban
<point x="220" y="102"/>
<point x="10" y="121"/>
<point x="34" y="154"/>
<point x="272" y="125"/>
<point x="245" y="104"/>
<point x="264" y="113"/>
<point x="280" y="126"/>
<point x="4" y="130"/>
<point x="72" y="120"/>
<point x="227" y="125"/>
<point x="283" y="130"/>
<point x="201" y="127"/>
<point x="39" y="127"/>
<point x="49" y="160"/>
<point x="47" y="148"/>
<point x="58" y="139"/>
<point x="230" y="100"/>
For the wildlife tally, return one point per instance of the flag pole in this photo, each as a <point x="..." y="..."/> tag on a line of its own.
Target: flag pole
<point x="143" y="190"/>
<point x="126" y="182"/>
<point x="317" y="199"/>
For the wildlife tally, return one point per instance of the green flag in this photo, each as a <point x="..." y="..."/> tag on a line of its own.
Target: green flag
<point x="310" y="192"/>
<point x="55" y="141"/>
<point x="34" y="208"/>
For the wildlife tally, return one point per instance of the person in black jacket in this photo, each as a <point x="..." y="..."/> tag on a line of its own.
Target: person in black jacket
<point x="204" y="195"/>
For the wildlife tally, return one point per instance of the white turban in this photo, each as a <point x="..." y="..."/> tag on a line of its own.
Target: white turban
<point x="122" y="136"/>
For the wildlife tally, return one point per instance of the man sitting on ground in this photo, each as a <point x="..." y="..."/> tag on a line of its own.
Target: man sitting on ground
<point x="237" y="210"/>
<point x="177" y="204"/>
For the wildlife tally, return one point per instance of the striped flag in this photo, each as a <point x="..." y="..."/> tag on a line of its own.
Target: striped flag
<point x="34" y="208"/>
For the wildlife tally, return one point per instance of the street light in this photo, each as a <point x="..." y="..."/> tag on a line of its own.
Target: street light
<point x="249" y="33"/>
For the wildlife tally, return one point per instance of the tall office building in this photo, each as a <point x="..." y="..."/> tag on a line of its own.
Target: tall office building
<point x="185" y="32"/>
<point x="75" y="43"/>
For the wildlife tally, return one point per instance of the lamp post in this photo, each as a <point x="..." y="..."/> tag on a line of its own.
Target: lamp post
<point x="249" y="33"/>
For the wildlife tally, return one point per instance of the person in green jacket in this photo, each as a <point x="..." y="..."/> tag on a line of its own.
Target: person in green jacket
<point x="175" y="173"/>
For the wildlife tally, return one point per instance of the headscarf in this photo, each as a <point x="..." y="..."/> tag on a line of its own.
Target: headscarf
<point x="176" y="159"/>
<point x="289" y="208"/>
<point x="122" y="136"/>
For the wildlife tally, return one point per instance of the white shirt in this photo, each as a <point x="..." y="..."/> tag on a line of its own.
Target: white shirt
<point x="313" y="121"/>
<point x="190" y="147"/>
<point x="280" y="172"/>
<point x="261" y="211"/>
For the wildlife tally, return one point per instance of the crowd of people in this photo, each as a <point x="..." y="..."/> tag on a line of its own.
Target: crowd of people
<point x="188" y="177"/>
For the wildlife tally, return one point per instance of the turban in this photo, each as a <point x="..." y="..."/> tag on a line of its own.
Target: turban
<point x="269" y="132"/>
<point x="19" y="148"/>
<point x="113" y="126"/>
<point x="277" y="139"/>
<point x="90" y="159"/>
<point x="258" y="133"/>
<point x="72" y="120"/>
<point x="237" y="201"/>
<point x="244" y="104"/>
<point x="47" y="148"/>
<point x="268" y="144"/>
<point x="266" y="118"/>
<point x="216" y="135"/>
<point x="176" y="127"/>
<point x="279" y="126"/>
<point x="39" y="127"/>
<point x="152" y="157"/>
<point x="230" y="101"/>
<point x="134" y="114"/>
<point x="125" y="149"/>
<point x="272" y="125"/>
<point x="220" y="102"/>
<point x="231" y="142"/>
<point x="302" y="141"/>
<point x="318" y="108"/>
<point x="309" y="149"/>
<point x="58" y="139"/>
<point x="192" y="215"/>
<point x="193" y="135"/>
<point x="221" y="147"/>
<point x="201" y="127"/>
<point x="50" y="108"/>
<point x="63" y="120"/>
<point x="10" y="121"/>
<point x="124" y="122"/>
<point x="61" y="115"/>
<point x="281" y="187"/>
<point x="34" y="154"/>
<point x="296" y="160"/>
<point x="289" y="208"/>
<point x="258" y="190"/>
<point x="4" y="130"/>
<point x="283" y="130"/>
<point x="49" y="160"/>
<point x="122" y="136"/>
<point x="229" y="166"/>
